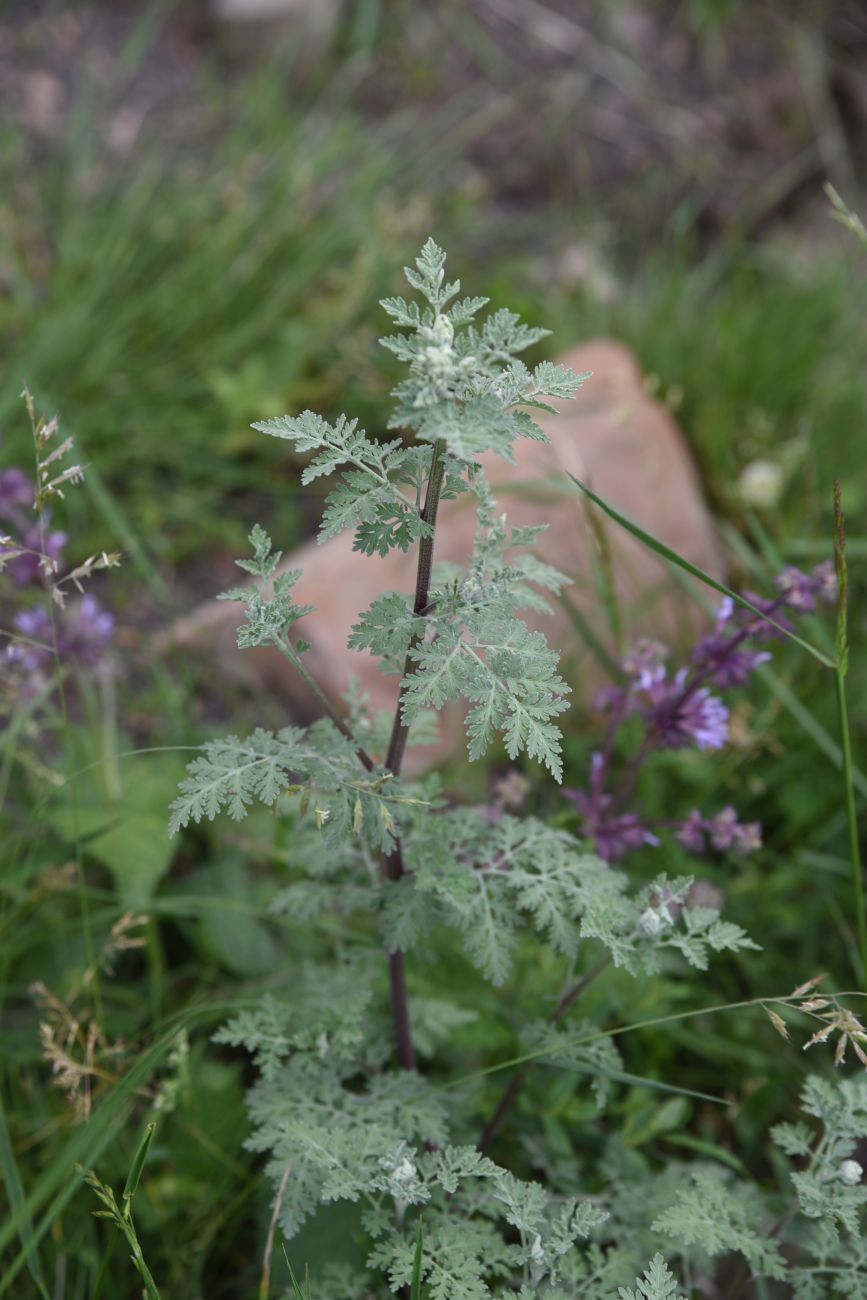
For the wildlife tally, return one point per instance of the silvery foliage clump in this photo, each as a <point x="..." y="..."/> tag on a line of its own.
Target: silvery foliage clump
<point x="341" y="1101"/>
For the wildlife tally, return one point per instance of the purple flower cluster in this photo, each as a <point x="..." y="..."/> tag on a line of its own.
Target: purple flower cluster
<point x="35" y="550"/>
<point x="612" y="833"/>
<point x="722" y="833"/>
<point x="681" y="709"/>
<point x="82" y="629"/>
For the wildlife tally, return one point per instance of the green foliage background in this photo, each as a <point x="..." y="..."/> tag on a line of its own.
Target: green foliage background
<point x="163" y="306"/>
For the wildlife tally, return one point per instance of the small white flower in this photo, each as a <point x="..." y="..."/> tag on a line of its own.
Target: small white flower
<point x="761" y="484"/>
<point x="850" y="1173"/>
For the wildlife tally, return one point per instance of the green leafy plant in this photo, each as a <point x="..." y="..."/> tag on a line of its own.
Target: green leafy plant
<point x="342" y="1111"/>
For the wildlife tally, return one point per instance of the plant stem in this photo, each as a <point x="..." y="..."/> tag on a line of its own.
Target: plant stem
<point x="400" y="729"/>
<point x="394" y="868"/>
<point x="518" y="1079"/>
<point x="265" y="1276"/>
<point x="840" y="669"/>
<point x="852" y="819"/>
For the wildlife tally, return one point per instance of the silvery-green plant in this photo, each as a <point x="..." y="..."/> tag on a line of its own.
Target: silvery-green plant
<point x="343" y="1109"/>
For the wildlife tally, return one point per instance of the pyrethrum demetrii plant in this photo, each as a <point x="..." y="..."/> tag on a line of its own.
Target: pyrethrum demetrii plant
<point x="342" y="1110"/>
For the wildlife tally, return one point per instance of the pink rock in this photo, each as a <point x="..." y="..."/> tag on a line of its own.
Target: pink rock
<point x="614" y="437"/>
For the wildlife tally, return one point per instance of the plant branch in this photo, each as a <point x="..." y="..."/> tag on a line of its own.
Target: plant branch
<point x="519" y="1078"/>
<point x="313" y="686"/>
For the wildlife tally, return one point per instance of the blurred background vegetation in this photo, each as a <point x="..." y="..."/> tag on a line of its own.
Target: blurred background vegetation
<point x="198" y="216"/>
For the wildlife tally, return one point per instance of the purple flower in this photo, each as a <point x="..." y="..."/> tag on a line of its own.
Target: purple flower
<point x="613" y="835"/>
<point x="824" y="581"/>
<point x="759" y="628"/>
<point x="798" y="590"/>
<point x="41" y="554"/>
<point x="723" y="832"/>
<point x="608" y="699"/>
<point x="722" y="829"/>
<point x="747" y="837"/>
<point x="85" y="632"/>
<point x="645" y="664"/>
<point x="691" y="833"/>
<point x="16" y="492"/>
<point x="36" y="648"/>
<point x="40" y="550"/>
<point x="721" y="655"/>
<point x="682" y="716"/>
<point x="727" y="665"/>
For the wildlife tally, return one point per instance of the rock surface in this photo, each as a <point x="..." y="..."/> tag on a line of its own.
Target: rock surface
<point x="614" y="437"/>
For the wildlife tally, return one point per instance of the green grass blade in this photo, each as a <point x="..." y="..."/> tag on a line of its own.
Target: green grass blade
<point x="653" y="1022"/>
<point x="122" y="528"/>
<point x="138" y="1163"/>
<point x="60" y="1181"/>
<point x="594" y="643"/>
<point x="810" y="724"/>
<point x="415" y="1284"/>
<point x="15" y="1196"/>
<point x="298" y="1292"/>
<point x="637" y="1081"/>
<point x="672" y="557"/>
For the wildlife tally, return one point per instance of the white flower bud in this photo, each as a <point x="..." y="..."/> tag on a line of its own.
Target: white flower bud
<point x="850" y="1173"/>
